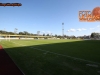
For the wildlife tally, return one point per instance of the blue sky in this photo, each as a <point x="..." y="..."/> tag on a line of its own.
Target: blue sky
<point x="47" y="16"/>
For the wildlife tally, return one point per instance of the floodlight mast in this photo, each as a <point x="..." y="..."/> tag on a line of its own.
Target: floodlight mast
<point x="15" y="31"/>
<point x="63" y="29"/>
<point x="0" y="37"/>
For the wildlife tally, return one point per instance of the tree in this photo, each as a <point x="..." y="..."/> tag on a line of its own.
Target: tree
<point x="59" y="36"/>
<point x="21" y="33"/>
<point x="92" y="35"/>
<point x="31" y="34"/>
<point x="26" y="33"/>
<point x="47" y="34"/>
<point x="55" y="35"/>
<point x="65" y="36"/>
<point x="3" y="32"/>
<point x="95" y="35"/>
<point x="73" y="37"/>
<point x="0" y="31"/>
<point x="11" y="33"/>
<point x="43" y="34"/>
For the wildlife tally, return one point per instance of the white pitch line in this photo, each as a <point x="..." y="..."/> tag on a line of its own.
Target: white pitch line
<point x="60" y="54"/>
<point x="67" y="56"/>
<point x="18" y="44"/>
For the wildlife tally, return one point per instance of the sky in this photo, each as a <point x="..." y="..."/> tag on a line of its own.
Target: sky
<point x="47" y="16"/>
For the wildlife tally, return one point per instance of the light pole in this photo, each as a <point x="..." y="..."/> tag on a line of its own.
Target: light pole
<point x="51" y="34"/>
<point x="0" y="37"/>
<point x="63" y="29"/>
<point x="15" y="31"/>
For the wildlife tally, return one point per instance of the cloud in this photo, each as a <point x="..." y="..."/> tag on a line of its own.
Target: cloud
<point x="83" y="29"/>
<point x="73" y="30"/>
<point x="92" y="28"/>
<point x="95" y="27"/>
<point x="79" y="29"/>
<point x="98" y="26"/>
<point x="68" y="30"/>
<point x="43" y="31"/>
<point x="48" y="32"/>
<point x="98" y="31"/>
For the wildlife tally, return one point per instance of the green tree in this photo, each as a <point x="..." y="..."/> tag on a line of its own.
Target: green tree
<point x="21" y="33"/>
<point x="92" y="35"/>
<point x="47" y="34"/>
<point x="43" y="34"/>
<point x="55" y="35"/>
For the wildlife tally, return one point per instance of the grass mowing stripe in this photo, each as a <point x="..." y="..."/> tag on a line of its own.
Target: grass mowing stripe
<point x="37" y="61"/>
<point x="34" y="61"/>
<point x="39" y="42"/>
<point x="61" y="54"/>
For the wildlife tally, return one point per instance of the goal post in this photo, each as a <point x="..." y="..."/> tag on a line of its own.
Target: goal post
<point x="6" y="37"/>
<point x="9" y="37"/>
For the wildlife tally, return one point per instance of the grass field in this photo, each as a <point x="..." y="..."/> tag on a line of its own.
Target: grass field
<point x="55" y="57"/>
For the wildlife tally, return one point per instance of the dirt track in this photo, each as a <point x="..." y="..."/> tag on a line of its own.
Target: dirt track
<point x="7" y="66"/>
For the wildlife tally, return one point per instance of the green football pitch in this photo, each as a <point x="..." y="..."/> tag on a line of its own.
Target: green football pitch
<point x="55" y="57"/>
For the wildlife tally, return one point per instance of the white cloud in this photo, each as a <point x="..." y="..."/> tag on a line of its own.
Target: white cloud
<point x="73" y="30"/>
<point x="98" y="31"/>
<point x="48" y="32"/>
<point x="95" y="27"/>
<point x="43" y="31"/>
<point x="83" y="29"/>
<point x="79" y="29"/>
<point x="98" y="26"/>
<point x="92" y="28"/>
<point x="68" y="30"/>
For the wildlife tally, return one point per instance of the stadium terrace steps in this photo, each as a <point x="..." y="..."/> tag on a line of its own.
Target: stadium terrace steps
<point x="7" y="66"/>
